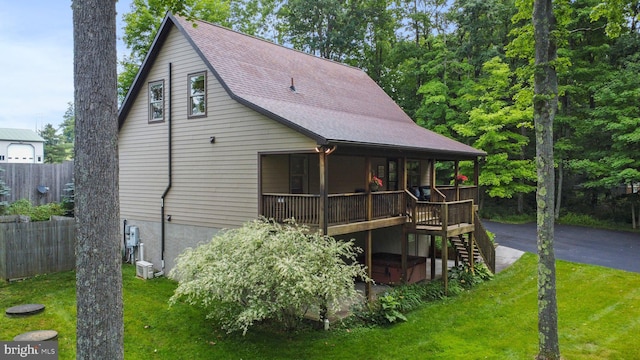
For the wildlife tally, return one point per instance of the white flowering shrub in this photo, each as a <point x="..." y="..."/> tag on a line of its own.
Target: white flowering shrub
<point x="267" y="271"/>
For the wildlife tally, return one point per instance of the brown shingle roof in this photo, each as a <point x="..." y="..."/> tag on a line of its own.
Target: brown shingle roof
<point x="332" y="102"/>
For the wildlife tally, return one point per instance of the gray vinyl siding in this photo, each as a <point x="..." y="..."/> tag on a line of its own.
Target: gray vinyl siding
<point x="213" y="185"/>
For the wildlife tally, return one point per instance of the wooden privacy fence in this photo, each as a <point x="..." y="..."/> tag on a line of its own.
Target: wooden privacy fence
<point x="24" y="179"/>
<point x="33" y="248"/>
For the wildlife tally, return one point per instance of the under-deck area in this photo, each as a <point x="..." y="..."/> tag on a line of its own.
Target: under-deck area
<point x="440" y="219"/>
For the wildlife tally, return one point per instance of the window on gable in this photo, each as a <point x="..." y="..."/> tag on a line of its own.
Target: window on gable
<point x="156" y="101"/>
<point x="198" y="94"/>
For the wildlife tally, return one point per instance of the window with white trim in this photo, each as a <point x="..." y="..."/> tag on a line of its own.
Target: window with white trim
<point x="156" y="101"/>
<point x="198" y="94"/>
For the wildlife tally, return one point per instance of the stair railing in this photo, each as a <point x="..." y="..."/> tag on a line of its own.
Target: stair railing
<point x="485" y="245"/>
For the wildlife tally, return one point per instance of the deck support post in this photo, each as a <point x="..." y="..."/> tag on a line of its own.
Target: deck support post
<point x="455" y="181"/>
<point x="476" y="181"/>
<point x="368" y="290"/>
<point x="432" y="244"/>
<point x="445" y="266"/>
<point x="403" y="256"/>
<point x="324" y="203"/>
<point x="369" y="244"/>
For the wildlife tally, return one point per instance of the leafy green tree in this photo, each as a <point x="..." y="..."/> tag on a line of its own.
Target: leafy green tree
<point x="255" y="17"/>
<point x="54" y="149"/>
<point x="618" y="14"/>
<point x="379" y="40"/>
<point x="482" y="29"/>
<point x="575" y="137"/>
<point x="267" y="271"/>
<point x="614" y="159"/>
<point x="68" y="125"/>
<point x="420" y="54"/>
<point x="68" y="131"/>
<point x="496" y="124"/>
<point x="332" y="29"/>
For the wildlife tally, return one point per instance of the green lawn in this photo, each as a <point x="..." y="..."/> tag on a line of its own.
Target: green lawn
<point x="599" y="311"/>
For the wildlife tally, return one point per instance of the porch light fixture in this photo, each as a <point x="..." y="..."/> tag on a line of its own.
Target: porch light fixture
<point x="327" y="149"/>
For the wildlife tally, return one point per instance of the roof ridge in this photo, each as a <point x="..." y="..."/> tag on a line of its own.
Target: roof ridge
<point x="269" y="42"/>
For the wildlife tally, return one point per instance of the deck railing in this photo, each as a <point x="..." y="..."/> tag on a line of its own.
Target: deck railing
<point x="459" y="212"/>
<point x="304" y="208"/>
<point x="485" y="245"/>
<point x="347" y="208"/>
<point x="451" y="193"/>
<point x="432" y="213"/>
<point x="387" y="204"/>
<point x="342" y="208"/>
<point x="352" y="208"/>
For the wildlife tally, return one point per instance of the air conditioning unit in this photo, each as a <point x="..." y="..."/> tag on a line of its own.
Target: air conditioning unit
<point x="144" y="270"/>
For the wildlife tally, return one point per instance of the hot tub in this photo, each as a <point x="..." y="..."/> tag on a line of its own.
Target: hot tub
<point x="387" y="268"/>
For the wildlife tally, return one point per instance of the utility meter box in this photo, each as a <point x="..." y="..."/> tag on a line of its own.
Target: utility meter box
<point x="134" y="237"/>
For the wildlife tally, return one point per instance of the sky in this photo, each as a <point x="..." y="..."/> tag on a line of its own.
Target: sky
<point x="36" y="61"/>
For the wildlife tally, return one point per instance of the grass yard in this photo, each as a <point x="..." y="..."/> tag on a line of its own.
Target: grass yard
<point x="599" y="318"/>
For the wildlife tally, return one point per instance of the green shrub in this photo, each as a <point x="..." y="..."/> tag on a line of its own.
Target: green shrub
<point x="434" y="291"/>
<point x="20" y="207"/>
<point x="389" y="308"/>
<point x="265" y="271"/>
<point x="391" y="305"/>
<point x="582" y="220"/>
<point x="36" y="213"/>
<point x="466" y="278"/>
<point x="410" y="297"/>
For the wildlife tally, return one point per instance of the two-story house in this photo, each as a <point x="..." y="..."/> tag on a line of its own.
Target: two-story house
<point x="220" y="128"/>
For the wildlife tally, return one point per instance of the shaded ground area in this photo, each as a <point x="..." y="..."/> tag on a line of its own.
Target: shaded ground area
<point x="613" y="249"/>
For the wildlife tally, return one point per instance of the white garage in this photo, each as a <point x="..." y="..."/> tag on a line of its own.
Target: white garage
<point x="21" y="153"/>
<point x="21" y="146"/>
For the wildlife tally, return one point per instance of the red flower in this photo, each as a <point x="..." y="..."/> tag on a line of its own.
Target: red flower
<point x="377" y="181"/>
<point x="461" y="177"/>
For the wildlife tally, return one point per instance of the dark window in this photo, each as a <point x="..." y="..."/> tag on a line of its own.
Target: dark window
<point x="413" y="173"/>
<point x="156" y="101"/>
<point x="299" y="174"/>
<point x="198" y="94"/>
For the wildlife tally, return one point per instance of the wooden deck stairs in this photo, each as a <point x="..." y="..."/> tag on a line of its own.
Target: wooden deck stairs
<point x="461" y="246"/>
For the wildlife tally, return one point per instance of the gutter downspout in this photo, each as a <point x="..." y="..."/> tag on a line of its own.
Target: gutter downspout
<point x="166" y="191"/>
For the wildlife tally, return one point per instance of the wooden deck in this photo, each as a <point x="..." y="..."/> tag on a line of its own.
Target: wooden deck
<point x="451" y="230"/>
<point x="356" y="212"/>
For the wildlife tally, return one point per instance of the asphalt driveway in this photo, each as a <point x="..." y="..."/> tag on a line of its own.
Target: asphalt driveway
<point x="614" y="249"/>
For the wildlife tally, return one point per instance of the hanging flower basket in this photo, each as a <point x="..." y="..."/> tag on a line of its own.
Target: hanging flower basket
<point x="375" y="184"/>
<point x="460" y="179"/>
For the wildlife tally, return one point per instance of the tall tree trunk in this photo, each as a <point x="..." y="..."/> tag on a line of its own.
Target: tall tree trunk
<point x="520" y="203"/>
<point x="559" y="194"/>
<point x="520" y="196"/>
<point x="545" y="103"/>
<point x="99" y="274"/>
